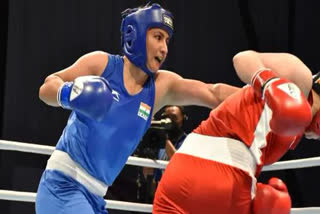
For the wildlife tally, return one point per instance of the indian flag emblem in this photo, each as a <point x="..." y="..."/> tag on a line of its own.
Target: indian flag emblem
<point x="144" y="111"/>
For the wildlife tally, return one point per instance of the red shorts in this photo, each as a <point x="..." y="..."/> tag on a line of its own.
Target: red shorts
<point x="197" y="185"/>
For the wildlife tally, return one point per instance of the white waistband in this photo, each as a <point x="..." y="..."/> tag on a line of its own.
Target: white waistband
<point x="61" y="161"/>
<point x="224" y="150"/>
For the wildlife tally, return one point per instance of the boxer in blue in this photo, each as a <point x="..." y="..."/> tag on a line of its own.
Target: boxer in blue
<point x="112" y="99"/>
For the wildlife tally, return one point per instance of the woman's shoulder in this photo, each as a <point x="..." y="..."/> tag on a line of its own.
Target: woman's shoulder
<point x="97" y="61"/>
<point x="166" y="74"/>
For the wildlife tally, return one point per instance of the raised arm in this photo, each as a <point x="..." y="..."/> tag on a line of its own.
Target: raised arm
<point x="285" y="65"/>
<point x="284" y="83"/>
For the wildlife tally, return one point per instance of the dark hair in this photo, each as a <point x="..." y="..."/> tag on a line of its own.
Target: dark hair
<point x="181" y="108"/>
<point x="132" y="10"/>
<point x="128" y="11"/>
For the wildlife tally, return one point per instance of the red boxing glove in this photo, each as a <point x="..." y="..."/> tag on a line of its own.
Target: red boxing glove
<point x="291" y="112"/>
<point x="271" y="198"/>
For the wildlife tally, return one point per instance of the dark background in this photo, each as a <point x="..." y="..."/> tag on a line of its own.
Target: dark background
<point x="40" y="37"/>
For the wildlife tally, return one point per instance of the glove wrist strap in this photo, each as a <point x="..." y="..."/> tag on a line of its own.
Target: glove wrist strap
<point x="63" y="95"/>
<point x="261" y="78"/>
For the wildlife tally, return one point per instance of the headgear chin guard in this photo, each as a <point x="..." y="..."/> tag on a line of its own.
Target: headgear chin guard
<point x="134" y="26"/>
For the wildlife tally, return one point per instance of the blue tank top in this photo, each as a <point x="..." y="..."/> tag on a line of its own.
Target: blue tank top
<point x="102" y="148"/>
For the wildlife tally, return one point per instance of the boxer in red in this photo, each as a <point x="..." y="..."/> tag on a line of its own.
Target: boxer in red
<point x="215" y="169"/>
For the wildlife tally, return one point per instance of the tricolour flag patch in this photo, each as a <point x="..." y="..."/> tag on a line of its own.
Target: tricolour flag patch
<point x="144" y="111"/>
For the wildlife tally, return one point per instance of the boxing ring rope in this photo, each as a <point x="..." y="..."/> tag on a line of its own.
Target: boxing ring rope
<point x="139" y="207"/>
<point x="121" y="205"/>
<point x="47" y="150"/>
<point x="111" y="204"/>
<point x="135" y="161"/>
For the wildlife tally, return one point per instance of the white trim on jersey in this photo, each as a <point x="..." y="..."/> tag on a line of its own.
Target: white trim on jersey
<point x="62" y="162"/>
<point x="262" y="130"/>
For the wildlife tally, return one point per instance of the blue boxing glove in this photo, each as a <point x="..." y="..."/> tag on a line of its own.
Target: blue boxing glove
<point x="90" y="96"/>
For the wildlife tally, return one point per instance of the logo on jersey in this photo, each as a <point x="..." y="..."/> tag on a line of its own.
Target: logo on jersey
<point x="116" y="95"/>
<point x="144" y="111"/>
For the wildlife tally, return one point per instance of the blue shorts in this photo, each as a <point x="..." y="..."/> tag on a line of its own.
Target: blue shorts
<point x="61" y="194"/>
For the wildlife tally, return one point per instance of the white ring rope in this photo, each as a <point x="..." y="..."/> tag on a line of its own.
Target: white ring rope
<point x="139" y="207"/>
<point x="305" y="210"/>
<point x="122" y="205"/>
<point x="47" y="150"/>
<point x="111" y="204"/>
<point x="293" y="164"/>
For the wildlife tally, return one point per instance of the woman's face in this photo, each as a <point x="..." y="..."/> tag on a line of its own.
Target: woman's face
<point x="175" y="114"/>
<point x="156" y="48"/>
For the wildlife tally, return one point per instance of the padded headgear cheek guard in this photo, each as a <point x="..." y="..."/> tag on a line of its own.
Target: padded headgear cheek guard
<point x="134" y="28"/>
<point x="314" y="127"/>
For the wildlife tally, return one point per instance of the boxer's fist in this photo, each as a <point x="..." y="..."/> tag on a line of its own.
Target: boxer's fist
<point x="291" y="112"/>
<point x="90" y="96"/>
<point x="271" y="198"/>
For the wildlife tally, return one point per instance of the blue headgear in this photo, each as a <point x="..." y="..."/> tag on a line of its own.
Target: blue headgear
<point x="134" y="26"/>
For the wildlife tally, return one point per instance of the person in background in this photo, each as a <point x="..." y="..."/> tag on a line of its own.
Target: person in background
<point x="160" y="142"/>
<point x="174" y="136"/>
